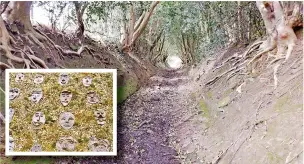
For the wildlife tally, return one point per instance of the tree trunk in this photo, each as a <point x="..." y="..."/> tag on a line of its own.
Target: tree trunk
<point x="279" y="26"/>
<point x="80" y="8"/>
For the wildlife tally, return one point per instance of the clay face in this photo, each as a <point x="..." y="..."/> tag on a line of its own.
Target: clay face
<point x="19" y="77"/>
<point x="87" y="81"/>
<point x="96" y="145"/>
<point x="13" y="93"/>
<point x="36" y="148"/>
<point x="38" y="79"/>
<point x="65" y="97"/>
<point x="36" y="95"/>
<point x="63" y="79"/>
<point x="11" y="144"/>
<point x="66" y="120"/>
<point x="92" y="98"/>
<point x="38" y="120"/>
<point x="66" y="144"/>
<point x="11" y="114"/>
<point x="100" y="116"/>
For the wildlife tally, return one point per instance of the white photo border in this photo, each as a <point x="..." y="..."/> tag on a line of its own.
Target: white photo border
<point x="113" y="153"/>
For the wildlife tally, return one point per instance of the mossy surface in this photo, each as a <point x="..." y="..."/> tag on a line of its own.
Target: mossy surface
<point x="206" y="113"/>
<point x="27" y="160"/>
<point x="281" y="103"/>
<point x="209" y="95"/>
<point x="123" y="92"/>
<point x="224" y="102"/>
<point x="85" y="125"/>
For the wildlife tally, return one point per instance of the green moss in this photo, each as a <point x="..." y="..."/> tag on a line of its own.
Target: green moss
<point x="205" y="112"/>
<point x="281" y="103"/>
<point x="274" y="158"/>
<point x="209" y="95"/>
<point x="227" y="92"/>
<point x="123" y="92"/>
<point x="29" y="160"/>
<point x="224" y="102"/>
<point x="193" y="95"/>
<point x="85" y="124"/>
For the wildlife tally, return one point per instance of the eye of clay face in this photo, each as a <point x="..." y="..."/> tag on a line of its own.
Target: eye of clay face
<point x="63" y="79"/>
<point x="13" y="93"/>
<point x="92" y="98"/>
<point x="66" y="144"/>
<point x="38" y="120"/>
<point x="36" y="95"/>
<point x="66" y="120"/>
<point x="38" y="79"/>
<point x="65" y="97"/>
<point x="87" y="81"/>
<point x="19" y="77"/>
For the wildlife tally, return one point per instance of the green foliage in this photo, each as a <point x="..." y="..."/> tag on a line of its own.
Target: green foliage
<point x="126" y="90"/>
<point x="207" y="25"/>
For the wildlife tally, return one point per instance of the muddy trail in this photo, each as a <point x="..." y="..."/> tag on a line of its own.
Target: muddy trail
<point x="145" y="122"/>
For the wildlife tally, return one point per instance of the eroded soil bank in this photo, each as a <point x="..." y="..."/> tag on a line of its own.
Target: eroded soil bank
<point x="176" y="118"/>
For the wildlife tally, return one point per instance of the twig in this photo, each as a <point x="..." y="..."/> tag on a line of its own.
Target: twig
<point x="294" y="157"/>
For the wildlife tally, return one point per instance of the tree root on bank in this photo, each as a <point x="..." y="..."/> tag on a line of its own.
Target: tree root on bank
<point x="31" y="62"/>
<point x="252" y="48"/>
<point x="275" y="72"/>
<point x="237" y="66"/>
<point x="260" y="53"/>
<point x="4" y="66"/>
<point x="63" y="52"/>
<point x="218" y="77"/>
<point x="27" y="56"/>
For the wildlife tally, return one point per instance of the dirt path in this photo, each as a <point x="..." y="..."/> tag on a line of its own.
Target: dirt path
<point x="145" y="121"/>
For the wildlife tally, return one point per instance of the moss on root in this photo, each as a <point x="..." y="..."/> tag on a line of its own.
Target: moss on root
<point x="85" y="124"/>
<point x="123" y="92"/>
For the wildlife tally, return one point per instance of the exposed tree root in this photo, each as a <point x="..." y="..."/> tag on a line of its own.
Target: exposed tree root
<point x="4" y="66"/>
<point x="63" y="52"/>
<point x="275" y="60"/>
<point x="74" y="53"/>
<point x="260" y="54"/>
<point x="295" y="157"/>
<point x="275" y="72"/>
<point x="252" y="48"/>
<point x="218" y="77"/>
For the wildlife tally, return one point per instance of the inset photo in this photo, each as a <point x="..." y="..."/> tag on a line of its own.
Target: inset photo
<point x="61" y="112"/>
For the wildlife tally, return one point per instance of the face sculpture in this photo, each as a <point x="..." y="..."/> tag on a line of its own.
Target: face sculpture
<point x="19" y="77"/>
<point x="36" y="148"/>
<point x="66" y="120"/>
<point x="36" y="95"/>
<point x="87" y="81"/>
<point x="13" y="93"/>
<point x="38" y="79"/>
<point x="11" y="144"/>
<point x="96" y="145"/>
<point x="92" y="98"/>
<point x="65" y="97"/>
<point x="66" y="144"/>
<point x="63" y="79"/>
<point x="11" y="114"/>
<point x="38" y="120"/>
<point x="100" y="116"/>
